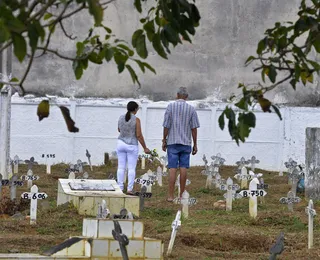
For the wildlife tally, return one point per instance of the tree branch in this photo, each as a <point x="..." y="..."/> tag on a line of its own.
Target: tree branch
<point x="266" y="89"/>
<point x="65" y="32"/>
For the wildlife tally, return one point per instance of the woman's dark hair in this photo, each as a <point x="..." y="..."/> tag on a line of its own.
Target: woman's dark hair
<point x="131" y="107"/>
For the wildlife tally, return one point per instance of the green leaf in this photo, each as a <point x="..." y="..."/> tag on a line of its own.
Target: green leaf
<point x="108" y="30"/>
<point x="276" y="109"/>
<point x="43" y="109"/>
<point x="33" y="36"/>
<point x="94" y="58"/>
<point x="133" y="74"/>
<point x="293" y="83"/>
<point x="242" y="104"/>
<point x="249" y="119"/>
<point x="120" y="60"/>
<point x="195" y="15"/>
<point x="141" y="47"/>
<point x="140" y="64"/>
<point x="96" y="10"/>
<point x="40" y="30"/>
<point x="80" y="48"/>
<point x="137" y="4"/>
<point x="149" y="67"/>
<point x="315" y="65"/>
<point x="171" y="35"/>
<point x="272" y="74"/>
<point x="122" y="46"/>
<point x="77" y="68"/>
<point x="297" y="72"/>
<point x="108" y="54"/>
<point x="47" y="16"/>
<point x="221" y="121"/>
<point x="264" y="72"/>
<point x="150" y="30"/>
<point x="135" y="37"/>
<point x="14" y="80"/>
<point x="19" y="46"/>
<point x="261" y="46"/>
<point x="249" y="60"/>
<point x="156" y="43"/>
<point x="4" y="32"/>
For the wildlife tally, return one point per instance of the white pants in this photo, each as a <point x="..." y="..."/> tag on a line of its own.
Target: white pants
<point x="127" y="153"/>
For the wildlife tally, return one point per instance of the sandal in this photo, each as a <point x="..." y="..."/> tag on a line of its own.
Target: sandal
<point x="170" y="200"/>
<point x="130" y="193"/>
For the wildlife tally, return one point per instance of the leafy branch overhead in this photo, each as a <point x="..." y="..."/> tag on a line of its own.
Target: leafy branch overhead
<point x="287" y="54"/>
<point x="29" y="26"/>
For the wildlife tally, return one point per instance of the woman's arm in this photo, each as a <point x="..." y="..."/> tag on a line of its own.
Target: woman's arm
<point x="140" y="136"/>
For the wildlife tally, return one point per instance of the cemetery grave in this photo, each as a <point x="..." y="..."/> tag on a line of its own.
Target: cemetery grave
<point x="206" y="234"/>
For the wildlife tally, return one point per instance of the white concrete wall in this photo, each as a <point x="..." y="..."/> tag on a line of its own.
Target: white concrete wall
<point x="272" y="141"/>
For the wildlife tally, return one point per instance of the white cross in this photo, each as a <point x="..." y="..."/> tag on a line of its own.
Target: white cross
<point x="311" y="214"/>
<point x="175" y="226"/>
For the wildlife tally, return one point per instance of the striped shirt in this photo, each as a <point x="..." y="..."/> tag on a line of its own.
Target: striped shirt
<point x="180" y="118"/>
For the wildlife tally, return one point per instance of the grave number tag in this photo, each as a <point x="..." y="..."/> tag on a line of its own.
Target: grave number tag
<point x="252" y="193"/>
<point x="5" y="182"/>
<point x="34" y="196"/>
<point x="48" y="156"/>
<point x="144" y="182"/>
<point x="18" y="183"/>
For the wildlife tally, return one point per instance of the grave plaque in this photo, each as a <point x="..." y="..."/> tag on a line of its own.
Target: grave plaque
<point x="91" y="186"/>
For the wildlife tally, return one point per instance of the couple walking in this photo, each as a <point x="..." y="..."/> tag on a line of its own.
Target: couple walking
<point x="179" y="131"/>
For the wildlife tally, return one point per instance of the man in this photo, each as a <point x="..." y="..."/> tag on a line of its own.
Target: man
<point x="180" y="123"/>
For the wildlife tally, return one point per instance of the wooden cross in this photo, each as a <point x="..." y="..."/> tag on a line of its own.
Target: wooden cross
<point x="242" y="162"/>
<point x="294" y="176"/>
<point x="186" y="201"/>
<point x="175" y="226"/>
<point x="253" y="161"/>
<point x="159" y="176"/>
<point x="311" y="214"/>
<point x="121" y="238"/>
<point x="253" y="193"/>
<point x="15" y="164"/>
<point x="89" y="160"/>
<point x="231" y="189"/>
<point x="29" y="178"/>
<point x="34" y="196"/>
<point x="291" y="199"/>
<point x="13" y="186"/>
<point x="30" y="163"/>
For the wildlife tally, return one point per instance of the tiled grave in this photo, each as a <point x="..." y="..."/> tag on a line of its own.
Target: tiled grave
<point x="86" y="194"/>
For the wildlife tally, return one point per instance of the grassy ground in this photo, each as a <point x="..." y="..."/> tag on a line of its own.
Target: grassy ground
<point x="206" y="235"/>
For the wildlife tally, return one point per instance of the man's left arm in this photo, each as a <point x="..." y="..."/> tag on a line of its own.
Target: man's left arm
<point x="166" y="125"/>
<point x="194" y="125"/>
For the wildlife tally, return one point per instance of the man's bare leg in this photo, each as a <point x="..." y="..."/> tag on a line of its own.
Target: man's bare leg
<point x="183" y="179"/>
<point x="172" y="181"/>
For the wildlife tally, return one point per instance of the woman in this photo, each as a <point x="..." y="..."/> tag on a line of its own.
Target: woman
<point x="129" y="127"/>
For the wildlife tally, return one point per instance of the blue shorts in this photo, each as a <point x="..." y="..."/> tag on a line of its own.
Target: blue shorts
<point x="178" y="156"/>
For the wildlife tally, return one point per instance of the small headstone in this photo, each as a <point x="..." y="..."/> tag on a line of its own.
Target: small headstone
<point x="72" y="175"/>
<point x="290" y="200"/>
<point x="103" y="212"/>
<point x="30" y="163"/>
<point x="121" y="238"/>
<point x="33" y="195"/>
<point x="175" y="226"/>
<point x="80" y="166"/>
<point x="89" y="160"/>
<point x="13" y="186"/>
<point x="159" y="176"/>
<point x="311" y="214"/>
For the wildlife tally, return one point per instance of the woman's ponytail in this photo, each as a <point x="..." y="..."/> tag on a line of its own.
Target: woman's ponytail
<point x="131" y="107"/>
<point x="128" y="116"/>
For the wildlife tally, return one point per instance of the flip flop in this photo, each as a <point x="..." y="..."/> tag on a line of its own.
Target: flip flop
<point x="170" y="200"/>
<point x="130" y="193"/>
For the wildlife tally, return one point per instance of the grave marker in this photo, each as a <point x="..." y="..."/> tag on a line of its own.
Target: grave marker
<point x="143" y="162"/>
<point x="10" y="172"/>
<point x="244" y="178"/>
<point x="290" y="200"/>
<point x="294" y="177"/>
<point x="13" y="186"/>
<point x="159" y="176"/>
<point x="121" y="238"/>
<point x="230" y="188"/>
<point x="290" y="165"/>
<point x="311" y="214"/>
<point x="30" y="163"/>
<point x="89" y="160"/>
<point x="253" y="161"/>
<point x="253" y="193"/>
<point x="72" y="175"/>
<point x="48" y="157"/>
<point x="80" y="166"/>
<point x="175" y="226"/>
<point x="15" y="164"/>
<point x="188" y="182"/>
<point x="29" y="178"/>
<point x="34" y="196"/>
<point x="103" y="212"/>
<point x="143" y="194"/>
<point x="242" y="162"/>
<point x="185" y="204"/>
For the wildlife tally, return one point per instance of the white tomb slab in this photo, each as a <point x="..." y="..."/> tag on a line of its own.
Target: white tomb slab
<point x="87" y="194"/>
